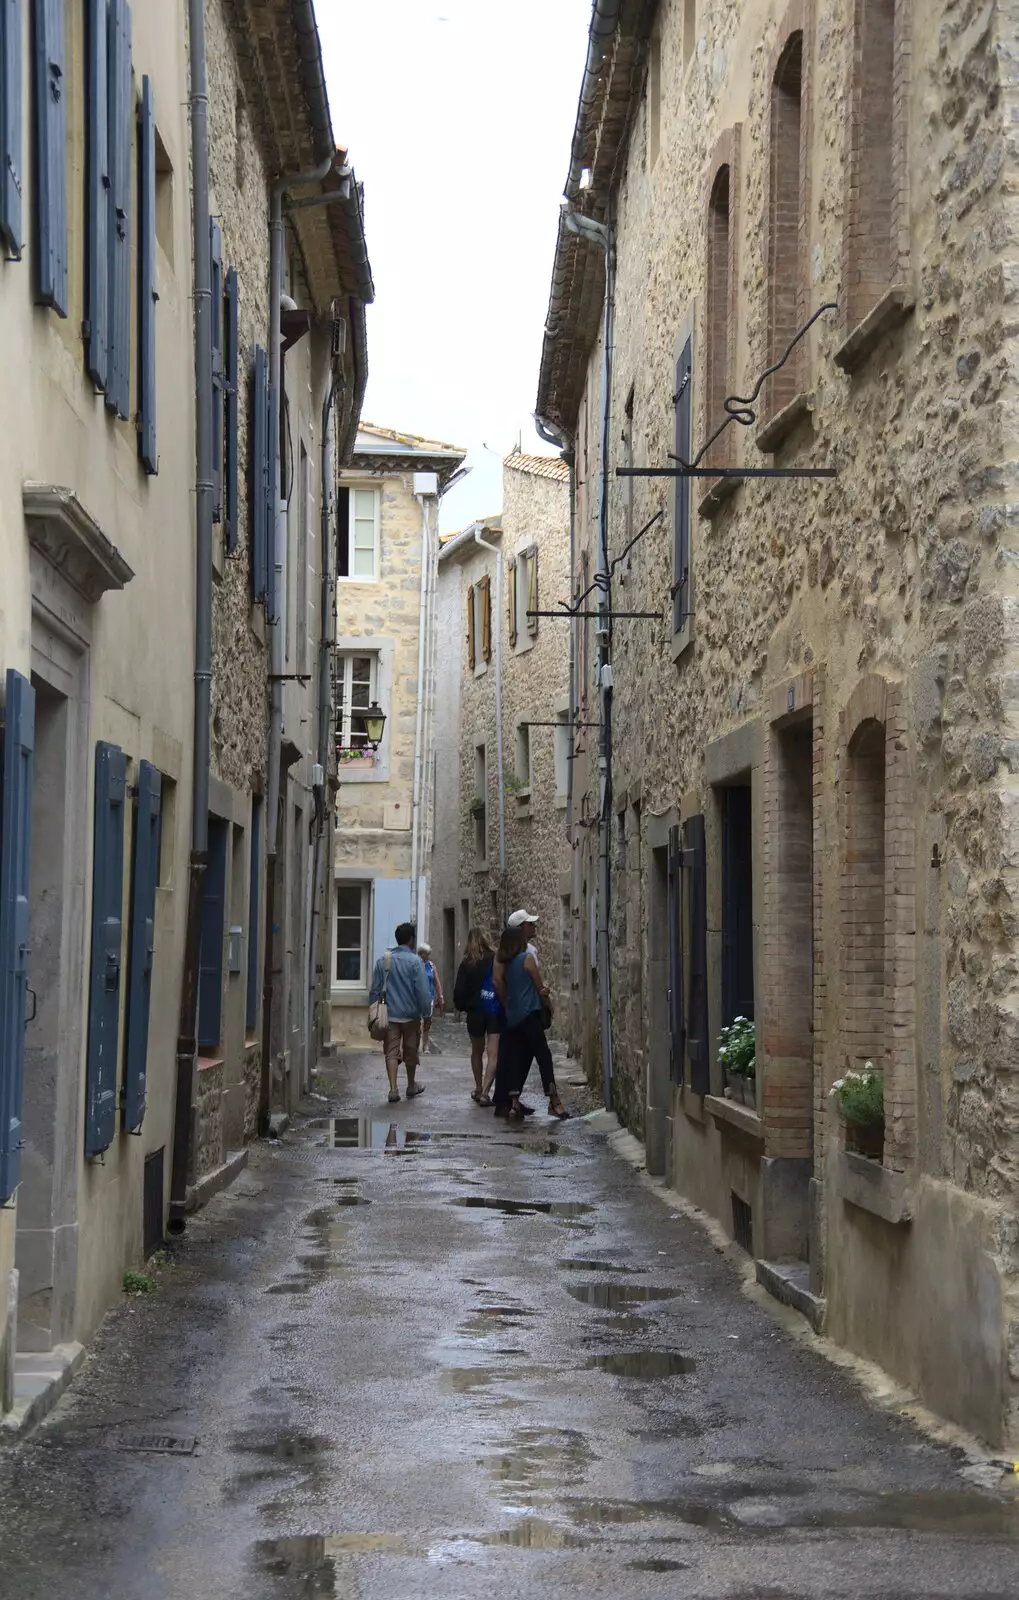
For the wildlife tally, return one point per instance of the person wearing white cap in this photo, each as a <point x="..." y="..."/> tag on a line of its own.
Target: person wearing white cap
<point x="527" y="922"/>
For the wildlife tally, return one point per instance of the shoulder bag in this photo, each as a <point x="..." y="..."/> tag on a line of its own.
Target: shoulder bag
<point x="378" y="1011"/>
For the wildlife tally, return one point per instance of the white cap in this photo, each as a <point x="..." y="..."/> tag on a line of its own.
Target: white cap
<point x="424" y="949"/>
<point x="518" y="919"/>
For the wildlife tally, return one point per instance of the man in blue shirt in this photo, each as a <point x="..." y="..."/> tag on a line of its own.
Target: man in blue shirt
<point x="408" y="1002"/>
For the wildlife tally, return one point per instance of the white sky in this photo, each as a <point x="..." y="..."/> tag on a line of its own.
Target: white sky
<point x="458" y="116"/>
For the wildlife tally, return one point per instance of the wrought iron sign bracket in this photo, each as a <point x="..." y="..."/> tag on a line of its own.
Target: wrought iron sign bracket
<point x="725" y="472"/>
<point x="598" y="616"/>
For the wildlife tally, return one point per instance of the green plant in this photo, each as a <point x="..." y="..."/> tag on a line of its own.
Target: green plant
<point x="737" y="1048"/>
<point x="860" y="1096"/>
<point x="516" y="784"/>
<point x="477" y="805"/>
<point x="138" y="1283"/>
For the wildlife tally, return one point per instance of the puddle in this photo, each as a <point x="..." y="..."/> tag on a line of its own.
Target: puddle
<point x="570" y="1265"/>
<point x="293" y="1286"/>
<point x="642" y="1364"/>
<point x="617" y="1296"/>
<point x="657" y="1564"/>
<point x="531" y="1533"/>
<point x="338" y="1180"/>
<point x="946" y="1511"/>
<point x="537" y="1461"/>
<point x="368" y="1133"/>
<point x="466" y="1380"/>
<point x="352" y="1200"/>
<point x="599" y="1513"/>
<point x="299" y="1448"/>
<point x="523" y="1208"/>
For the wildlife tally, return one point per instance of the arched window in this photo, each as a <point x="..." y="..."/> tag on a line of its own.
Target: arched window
<point x="785" y="257"/>
<point x="864" y="897"/>
<point x="718" y="332"/>
<point x="876" y="187"/>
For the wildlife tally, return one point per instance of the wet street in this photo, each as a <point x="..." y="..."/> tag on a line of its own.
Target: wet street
<point x="413" y="1352"/>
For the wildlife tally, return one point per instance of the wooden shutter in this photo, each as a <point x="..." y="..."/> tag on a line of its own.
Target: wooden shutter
<point x="210" y="963"/>
<point x="97" y="158"/>
<point x="511" y="601"/>
<point x="681" y="520"/>
<point x="471" y="651"/>
<point x="677" y="1009"/>
<point x="231" y="387"/>
<point x="106" y="958"/>
<point x="271" y="498"/>
<point x="697" y="1000"/>
<point x="50" y="155"/>
<point x="120" y="128"/>
<point x="259" y="432"/>
<point x="10" y="127"/>
<point x="216" y="256"/>
<point x="147" y="294"/>
<point x="141" y="944"/>
<point x="532" y="590"/>
<point x="485" y="586"/>
<point x="15" y="842"/>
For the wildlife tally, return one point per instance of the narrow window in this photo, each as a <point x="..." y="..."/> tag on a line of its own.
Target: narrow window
<point x="351" y="936"/>
<point x="479" y="805"/>
<point x="784" y="275"/>
<point x="689" y="31"/>
<point x="718" y="312"/>
<point x="303" y="514"/>
<point x="532" y="593"/>
<point x="872" y="254"/>
<point x="654" y="102"/>
<point x="210" y="969"/>
<point x="737" y="904"/>
<point x="524" y="754"/>
<point x="254" y="916"/>
<point x="483" y="617"/>
<point x="864" y="910"/>
<point x="681" y="520"/>
<point x="354" y="689"/>
<point x="511" y="603"/>
<point x="357" y="532"/>
<point x="628" y="461"/>
<point x="472" y="630"/>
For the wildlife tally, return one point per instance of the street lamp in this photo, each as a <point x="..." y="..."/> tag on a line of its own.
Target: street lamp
<point x="373" y="723"/>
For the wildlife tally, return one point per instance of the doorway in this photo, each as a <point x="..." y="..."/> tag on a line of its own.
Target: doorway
<point x="449" y="961"/>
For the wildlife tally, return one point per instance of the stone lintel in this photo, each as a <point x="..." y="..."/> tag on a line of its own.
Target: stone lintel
<point x="893" y="307"/>
<point x="779" y="426"/>
<point x="72" y="541"/>
<point x="735" y="1119"/>
<point x="718" y="492"/>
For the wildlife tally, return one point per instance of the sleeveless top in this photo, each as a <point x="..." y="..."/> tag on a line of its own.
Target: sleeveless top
<point x="522" y="995"/>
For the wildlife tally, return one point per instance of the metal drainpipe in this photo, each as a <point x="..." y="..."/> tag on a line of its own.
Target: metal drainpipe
<point x="204" y="489"/>
<point x="277" y="656"/>
<point x="500" y="772"/>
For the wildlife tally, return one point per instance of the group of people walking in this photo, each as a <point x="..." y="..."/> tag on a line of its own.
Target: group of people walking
<point x="507" y="1004"/>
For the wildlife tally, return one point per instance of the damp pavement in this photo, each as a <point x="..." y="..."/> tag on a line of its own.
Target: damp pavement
<point x="414" y="1352"/>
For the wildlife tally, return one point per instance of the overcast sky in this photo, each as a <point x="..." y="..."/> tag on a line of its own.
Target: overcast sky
<point x="458" y="116"/>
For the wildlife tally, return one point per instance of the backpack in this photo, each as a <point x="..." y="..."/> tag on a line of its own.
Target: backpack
<point x="491" y="1005"/>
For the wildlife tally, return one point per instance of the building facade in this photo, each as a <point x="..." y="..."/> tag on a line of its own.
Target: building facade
<point x="387" y="650"/>
<point x="503" y="722"/>
<point x="806" y="794"/>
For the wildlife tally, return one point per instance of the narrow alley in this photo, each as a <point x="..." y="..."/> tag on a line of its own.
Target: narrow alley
<point x="411" y="1351"/>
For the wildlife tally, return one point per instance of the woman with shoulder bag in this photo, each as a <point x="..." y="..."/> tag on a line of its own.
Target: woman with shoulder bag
<point x="527" y="1002"/>
<point x="474" y="995"/>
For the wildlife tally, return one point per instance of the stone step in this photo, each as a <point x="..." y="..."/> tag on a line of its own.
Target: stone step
<point x="789" y="1282"/>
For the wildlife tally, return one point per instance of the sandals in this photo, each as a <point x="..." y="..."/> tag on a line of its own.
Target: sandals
<point x="414" y="1089"/>
<point x="484" y="1099"/>
<point x="556" y="1107"/>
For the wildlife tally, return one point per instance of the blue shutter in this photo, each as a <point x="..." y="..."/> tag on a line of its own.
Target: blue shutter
<point x="97" y="291"/>
<point x="254" y="903"/>
<point x="121" y="125"/>
<point x="210" y="962"/>
<point x="681" y="527"/>
<point x="231" y="383"/>
<point x="147" y="295"/>
<point x="106" y="958"/>
<point x="677" y="1009"/>
<point x="141" y="944"/>
<point x="271" y="497"/>
<point x="15" y="839"/>
<point x="51" y="155"/>
<point x="697" y="1000"/>
<point x="259" y="436"/>
<point x="217" y="369"/>
<point x="10" y="126"/>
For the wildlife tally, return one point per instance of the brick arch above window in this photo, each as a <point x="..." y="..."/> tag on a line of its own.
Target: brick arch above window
<point x="787" y="215"/>
<point x="721" y="205"/>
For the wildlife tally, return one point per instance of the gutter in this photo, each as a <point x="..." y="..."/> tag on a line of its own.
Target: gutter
<point x="604" y="22"/>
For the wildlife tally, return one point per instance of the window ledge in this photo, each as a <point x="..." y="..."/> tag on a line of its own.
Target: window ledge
<point x="892" y="309"/>
<point x="778" y="427"/>
<point x="349" y="997"/>
<point x="736" y="1119"/>
<point x="719" y="491"/>
<point x="481" y="669"/>
<point x="561" y="802"/>
<point x="206" y="1063"/>
<point x="874" y="1188"/>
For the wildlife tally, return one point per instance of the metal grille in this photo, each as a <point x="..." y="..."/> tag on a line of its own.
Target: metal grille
<point x="742" y="1224"/>
<point x="153" y="1201"/>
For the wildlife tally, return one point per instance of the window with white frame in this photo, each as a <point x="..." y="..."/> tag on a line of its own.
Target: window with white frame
<point x="524" y="754"/>
<point x="357" y="534"/>
<point x="355" y="685"/>
<point x="351" y="966"/>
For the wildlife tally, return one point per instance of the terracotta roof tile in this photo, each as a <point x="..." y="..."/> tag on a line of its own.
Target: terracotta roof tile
<point x="540" y="466"/>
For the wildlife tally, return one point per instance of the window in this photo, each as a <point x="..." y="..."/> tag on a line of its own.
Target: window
<point x="689" y="31"/>
<point x="351" y="969"/>
<point x="718" y="332"/>
<point x="525" y="599"/>
<point x="167" y="832"/>
<point x="864" y="898"/>
<point x="483" y="626"/>
<point x="628" y="461"/>
<point x="737" y="904"/>
<point x="472" y="635"/>
<point x="562" y="755"/>
<point x="479" y="805"/>
<point x="681" y="520"/>
<point x="877" y="186"/>
<point x="303" y="523"/>
<point x="254" y="908"/>
<point x="784" y="218"/>
<point x="354" y="689"/>
<point x="565" y="937"/>
<point x="210" y="972"/>
<point x="511" y="601"/>
<point x="357" y="517"/>
<point x="523" y="762"/>
<point x="654" y="102"/>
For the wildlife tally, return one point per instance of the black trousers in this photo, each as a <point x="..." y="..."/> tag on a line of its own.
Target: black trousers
<point x="517" y="1049"/>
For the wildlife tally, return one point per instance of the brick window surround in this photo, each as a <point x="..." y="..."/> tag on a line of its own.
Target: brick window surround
<point x="875" y="241"/>
<point x="878" y="904"/>
<point x="721" y="277"/>
<point x="788" y="209"/>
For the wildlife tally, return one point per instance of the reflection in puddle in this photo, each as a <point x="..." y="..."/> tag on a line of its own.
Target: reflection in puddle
<point x="541" y="1461"/>
<point x="656" y="1564"/>
<point x="299" y="1448"/>
<point x="617" y="1296"/>
<point x="643" y="1363"/>
<point x="531" y="1533"/>
<point x="568" y="1265"/>
<point x="524" y="1208"/>
<point x="368" y="1133"/>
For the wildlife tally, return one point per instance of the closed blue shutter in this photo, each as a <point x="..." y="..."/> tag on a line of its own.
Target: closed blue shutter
<point x="15" y="839"/>
<point x="217" y="370"/>
<point x="677" y="1009"/>
<point x="147" y="295"/>
<point x="121" y="126"/>
<point x="10" y="126"/>
<point x="97" y="293"/>
<point x="106" y="958"/>
<point x="51" y="155"/>
<point x="681" y="527"/>
<point x="210" y="963"/>
<point x="141" y="944"/>
<point x="697" y="1003"/>
<point x="259" y="436"/>
<point x="254" y="903"/>
<point x="231" y="382"/>
<point x="271" y="497"/>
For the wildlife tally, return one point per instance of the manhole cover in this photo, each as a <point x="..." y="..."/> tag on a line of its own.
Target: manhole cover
<point x="165" y="1444"/>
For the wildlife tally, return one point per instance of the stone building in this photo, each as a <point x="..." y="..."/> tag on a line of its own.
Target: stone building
<point x="503" y="721"/>
<point x="387" y="651"/>
<point x="808" y="801"/>
<point x="101" y="607"/>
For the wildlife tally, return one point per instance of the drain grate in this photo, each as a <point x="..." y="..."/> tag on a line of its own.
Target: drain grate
<point x="163" y="1444"/>
<point x="742" y="1224"/>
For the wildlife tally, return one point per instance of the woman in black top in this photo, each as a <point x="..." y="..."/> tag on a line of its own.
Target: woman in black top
<point x="482" y="1027"/>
